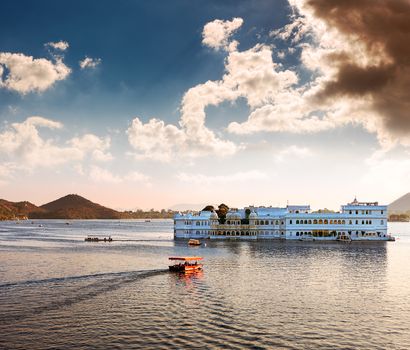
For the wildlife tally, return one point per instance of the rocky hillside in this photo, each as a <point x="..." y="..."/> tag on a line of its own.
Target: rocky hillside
<point x="74" y="206"/>
<point x="17" y="210"/>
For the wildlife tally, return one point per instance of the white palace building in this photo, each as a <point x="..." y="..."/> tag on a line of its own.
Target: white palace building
<point x="356" y="221"/>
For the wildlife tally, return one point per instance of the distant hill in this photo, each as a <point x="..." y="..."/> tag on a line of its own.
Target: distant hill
<point x="17" y="210"/>
<point x="400" y="205"/>
<point x="74" y="206"/>
<point x="186" y="206"/>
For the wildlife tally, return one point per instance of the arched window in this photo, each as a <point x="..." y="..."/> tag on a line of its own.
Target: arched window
<point x="339" y="222"/>
<point x="350" y="222"/>
<point x="297" y="222"/>
<point x="310" y="222"/>
<point x="197" y="223"/>
<point x="266" y="222"/>
<point x="326" y="222"/>
<point x="314" y="222"/>
<point x="305" y="222"/>
<point x="320" y="221"/>
<point x="277" y="222"/>
<point x="343" y="222"/>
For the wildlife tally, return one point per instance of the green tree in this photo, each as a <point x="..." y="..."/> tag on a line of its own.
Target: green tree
<point x="208" y="208"/>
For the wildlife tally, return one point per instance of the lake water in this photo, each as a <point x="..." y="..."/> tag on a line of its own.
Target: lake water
<point x="59" y="292"/>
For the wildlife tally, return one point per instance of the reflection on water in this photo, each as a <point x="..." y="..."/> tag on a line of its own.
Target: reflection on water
<point x="56" y="291"/>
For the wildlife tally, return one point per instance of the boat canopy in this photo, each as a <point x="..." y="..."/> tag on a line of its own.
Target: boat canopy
<point x="185" y="258"/>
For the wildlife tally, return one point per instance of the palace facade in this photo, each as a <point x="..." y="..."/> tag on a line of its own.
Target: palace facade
<point x="355" y="221"/>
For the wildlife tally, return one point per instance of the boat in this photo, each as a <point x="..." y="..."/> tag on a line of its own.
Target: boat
<point x="343" y="238"/>
<point x="307" y="238"/>
<point x="185" y="264"/>
<point x="194" y="242"/>
<point x="92" y="238"/>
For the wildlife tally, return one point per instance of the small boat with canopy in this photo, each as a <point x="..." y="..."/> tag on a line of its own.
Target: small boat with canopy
<point x="186" y="264"/>
<point x="194" y="242"/>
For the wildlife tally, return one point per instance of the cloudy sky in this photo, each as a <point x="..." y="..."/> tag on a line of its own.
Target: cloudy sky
<point x="147" y="104"/>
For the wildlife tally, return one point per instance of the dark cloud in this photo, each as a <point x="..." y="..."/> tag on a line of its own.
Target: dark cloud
<point x="383" y="26"/>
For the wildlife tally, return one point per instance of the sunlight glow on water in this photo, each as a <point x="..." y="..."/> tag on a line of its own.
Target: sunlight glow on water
<point x="57" y="291"/>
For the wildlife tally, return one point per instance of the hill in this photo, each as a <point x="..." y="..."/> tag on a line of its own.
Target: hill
<point x="187" y="206"/>
<point x="74" y="206"/>
<point x="17" y="210"/>
<point x="400" y="205"/>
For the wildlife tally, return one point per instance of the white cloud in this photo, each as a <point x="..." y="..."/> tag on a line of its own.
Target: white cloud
<point x="98" y="174"/>
<point x="202" y="179"/>
<point x="22" y="143"/>
<point x="277" y="100"/>
<point x="94" y="145"/>
<point x="59" y="45"/>
<point x="155" y="139"/>
<point x="27" y="74"/>
<point x="296" y="29"/>
<point x="136" y="176"/>
<point x="6" y="172"/>
<point x="250" y="74"/>
<point x="89" y="62"/>
<point x="102" y="175"/>
<point x="292" y="152"/>
<point x="216" y="33"/>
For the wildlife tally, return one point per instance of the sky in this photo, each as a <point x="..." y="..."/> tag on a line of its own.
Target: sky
<point x="150" y="104"/>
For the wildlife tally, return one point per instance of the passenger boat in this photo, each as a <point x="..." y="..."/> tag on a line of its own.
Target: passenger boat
<point x="185" y="264"/>
<point x="194" y="242"/>
<point x="92" y="238"/>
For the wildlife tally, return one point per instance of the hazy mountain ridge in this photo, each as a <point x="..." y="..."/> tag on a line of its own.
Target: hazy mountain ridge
<point x="400" y="205"/>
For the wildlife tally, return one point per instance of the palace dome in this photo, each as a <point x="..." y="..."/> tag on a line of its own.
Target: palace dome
<point x="233" y="215"/>
<point x="214" y="215"/>
<point x="253" y="215"/>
